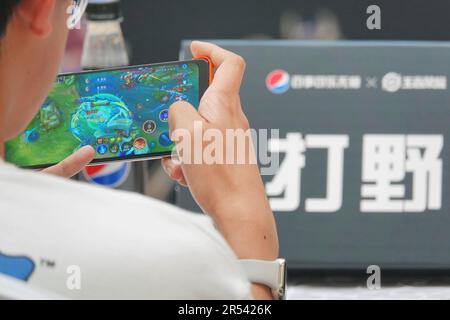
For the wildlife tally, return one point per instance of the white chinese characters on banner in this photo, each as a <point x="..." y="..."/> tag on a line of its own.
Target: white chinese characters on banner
<point x="288" y="178"/>
<point x="386" y="161"/>
<point x="287" y="181"/>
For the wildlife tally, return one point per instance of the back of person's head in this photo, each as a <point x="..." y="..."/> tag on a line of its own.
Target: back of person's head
<point x="33" y="35"/>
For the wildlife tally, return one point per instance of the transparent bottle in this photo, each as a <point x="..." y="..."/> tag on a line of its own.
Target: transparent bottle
<point x="104" y="47"/>
<point x="104" y="44"/>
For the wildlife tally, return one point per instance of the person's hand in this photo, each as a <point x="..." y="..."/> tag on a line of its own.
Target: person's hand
<point x="232" y="194"/>
<point x="72" y="164"/>
<point x="220" y="108"/>
<point x="227" y="192"/>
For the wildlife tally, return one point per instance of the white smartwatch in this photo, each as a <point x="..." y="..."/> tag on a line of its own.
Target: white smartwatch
<point x="268" y="273"/>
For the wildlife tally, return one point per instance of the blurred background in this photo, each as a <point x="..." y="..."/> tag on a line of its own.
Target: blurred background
<point x="154" y="28"/>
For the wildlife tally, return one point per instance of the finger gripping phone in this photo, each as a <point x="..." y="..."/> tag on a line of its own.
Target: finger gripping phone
<point x="122" y="113"/>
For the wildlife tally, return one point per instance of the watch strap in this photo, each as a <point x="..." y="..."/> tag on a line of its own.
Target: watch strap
<point x="269" y="273"/>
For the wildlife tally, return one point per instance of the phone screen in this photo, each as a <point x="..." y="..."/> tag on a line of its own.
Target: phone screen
<point x="121" y="113"/>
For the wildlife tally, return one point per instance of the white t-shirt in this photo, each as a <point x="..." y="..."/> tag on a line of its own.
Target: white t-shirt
<point x="86" y="242"/>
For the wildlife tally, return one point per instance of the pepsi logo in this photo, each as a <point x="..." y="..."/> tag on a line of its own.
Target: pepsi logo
<point x="109" y="175"/>
<point x="278" y="81"/>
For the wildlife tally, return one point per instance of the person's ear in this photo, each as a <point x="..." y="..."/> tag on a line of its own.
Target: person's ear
<point x="37" y="15"/>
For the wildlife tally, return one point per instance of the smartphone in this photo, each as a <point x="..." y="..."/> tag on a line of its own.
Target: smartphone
<point x="122" y="113"/>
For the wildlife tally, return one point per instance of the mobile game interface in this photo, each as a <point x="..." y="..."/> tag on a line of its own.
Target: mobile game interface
<point x="122" y="113"/>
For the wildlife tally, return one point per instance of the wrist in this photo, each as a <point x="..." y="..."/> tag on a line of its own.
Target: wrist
<point x="248" y="225"/>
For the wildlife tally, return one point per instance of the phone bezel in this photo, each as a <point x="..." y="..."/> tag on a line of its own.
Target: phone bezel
<point x="204" y="68"/>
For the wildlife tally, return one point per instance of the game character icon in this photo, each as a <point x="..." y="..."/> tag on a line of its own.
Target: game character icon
<point x="140" y="146"/>
<point x="50" y="117"/>
<point x="129" y="81"/>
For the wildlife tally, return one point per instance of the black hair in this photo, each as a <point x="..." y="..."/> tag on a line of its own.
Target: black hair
<point x="6" y="10"/>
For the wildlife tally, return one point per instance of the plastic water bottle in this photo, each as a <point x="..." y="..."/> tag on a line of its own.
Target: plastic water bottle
<point x="104" y="44"/>
<point x="104" y="47"/>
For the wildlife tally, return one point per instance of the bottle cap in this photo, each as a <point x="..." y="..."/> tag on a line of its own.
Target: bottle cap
<point x="103" y="10"/>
